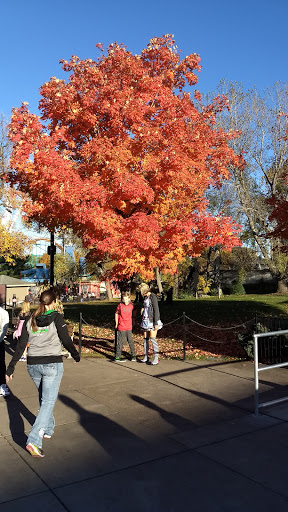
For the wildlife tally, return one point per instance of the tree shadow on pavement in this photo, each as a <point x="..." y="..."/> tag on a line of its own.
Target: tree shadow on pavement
<point x="170" y="417"/>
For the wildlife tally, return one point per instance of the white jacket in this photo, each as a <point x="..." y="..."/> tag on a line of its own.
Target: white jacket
<point x="4" y="323"/>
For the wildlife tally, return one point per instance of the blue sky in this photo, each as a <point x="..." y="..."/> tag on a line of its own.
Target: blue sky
<point x="244" y="41"/>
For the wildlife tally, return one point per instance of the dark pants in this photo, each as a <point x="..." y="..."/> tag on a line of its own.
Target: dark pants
<point x="2" y="363"/>
<point x="121" y="338"/>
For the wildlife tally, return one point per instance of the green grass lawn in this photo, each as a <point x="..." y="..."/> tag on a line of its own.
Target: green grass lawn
<point x="229" y="310"/>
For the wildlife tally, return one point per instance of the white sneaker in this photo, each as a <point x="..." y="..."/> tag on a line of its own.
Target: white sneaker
<point x="4" y="391"/>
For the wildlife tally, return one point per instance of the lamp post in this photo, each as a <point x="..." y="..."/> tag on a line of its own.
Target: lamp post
<point x="51" y="250"/>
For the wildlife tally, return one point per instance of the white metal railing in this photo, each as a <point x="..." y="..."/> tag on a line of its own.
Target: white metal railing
<point x="263" y="368"/>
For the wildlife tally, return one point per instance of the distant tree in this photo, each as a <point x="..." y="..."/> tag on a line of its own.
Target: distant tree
<point x="279" y="204"/>
<point x="241" y="259"/>
<point x="45" y="258"/>
<point x="65" y="268"/>
<point x="9" y="199"/>
<point x="13" y="244"/>
<point x="15" y="269"/>
<point x="261" y="140"/>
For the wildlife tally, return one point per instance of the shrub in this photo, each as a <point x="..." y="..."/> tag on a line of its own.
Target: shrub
<point x="246" y="339"/>
<point x="204" y="285"/>
<point x="237" y="288"/>
<point x="186" y="295"/>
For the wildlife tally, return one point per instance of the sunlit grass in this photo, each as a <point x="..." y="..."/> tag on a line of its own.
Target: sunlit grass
<point x="208" y="310"/>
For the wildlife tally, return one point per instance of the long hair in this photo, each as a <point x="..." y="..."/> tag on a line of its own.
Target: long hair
<point x="46" y="298"/>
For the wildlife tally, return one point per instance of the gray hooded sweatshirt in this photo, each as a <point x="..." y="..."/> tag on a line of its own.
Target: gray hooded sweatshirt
<point x="45" y="343"/>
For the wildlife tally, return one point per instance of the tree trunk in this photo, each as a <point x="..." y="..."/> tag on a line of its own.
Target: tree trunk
<point x="108" y="290"/>
<point x="282" y="287"/>
<point x="158" y="278"/>
<point x="195" y="277"/>
<point x="176" y="286"/>
<point x="217" y="264"/>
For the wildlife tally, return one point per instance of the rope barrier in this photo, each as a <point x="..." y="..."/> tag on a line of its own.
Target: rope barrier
<point x="220" y="328"/>
<point x="111" y="326"/>
<point x="105" y="326"/>
<point x="84" y="321"/>
<point x="204" y="339"/>
<point x="173" y="321"/>
<point x="186" y="329"/>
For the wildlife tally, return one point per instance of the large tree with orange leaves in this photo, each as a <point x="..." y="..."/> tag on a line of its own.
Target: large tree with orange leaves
<point x="123" y="155"/>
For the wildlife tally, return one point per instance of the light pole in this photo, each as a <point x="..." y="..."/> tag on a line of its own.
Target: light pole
<point x="51" y="250"/>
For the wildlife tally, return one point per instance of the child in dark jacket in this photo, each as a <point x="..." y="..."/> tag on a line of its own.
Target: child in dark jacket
<point x="124" y="319"/>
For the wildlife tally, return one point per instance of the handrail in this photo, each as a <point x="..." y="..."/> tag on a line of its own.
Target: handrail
<point x="267" y="367"/>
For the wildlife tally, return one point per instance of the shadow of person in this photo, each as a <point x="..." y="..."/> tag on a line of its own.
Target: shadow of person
<point x="116" y="440"/>
<point x="16" y="411"/>
<point x="106" y="347"/>
<point x="170" y="417"/>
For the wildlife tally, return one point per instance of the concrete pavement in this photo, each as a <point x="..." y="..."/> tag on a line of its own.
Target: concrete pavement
<point x="179" y="436"/>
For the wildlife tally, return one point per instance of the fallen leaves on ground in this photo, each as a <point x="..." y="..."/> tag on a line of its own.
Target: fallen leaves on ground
<point x="199" y="344"/>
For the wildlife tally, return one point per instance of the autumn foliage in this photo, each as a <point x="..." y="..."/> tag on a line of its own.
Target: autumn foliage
<point x="13" y="244"/>
<point x="123" y="154"/>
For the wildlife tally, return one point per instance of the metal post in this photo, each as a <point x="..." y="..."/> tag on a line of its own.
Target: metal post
<point x="115" y="341"/>
<point x="80" y="335"/>
<point x="184" y="336"/>
<point x="256" y="375"/>
<point x="52" y="255"/>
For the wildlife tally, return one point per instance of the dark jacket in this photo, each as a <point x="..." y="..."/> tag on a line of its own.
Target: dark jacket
<point x="45" y="343"/>
<point x="154" y="314"/>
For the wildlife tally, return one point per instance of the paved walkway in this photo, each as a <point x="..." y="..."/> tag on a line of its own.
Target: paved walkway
<point x="180" y="436"/>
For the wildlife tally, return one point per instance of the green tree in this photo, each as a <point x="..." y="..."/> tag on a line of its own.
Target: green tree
<point x="65" y="268"/>
<point x="14" y="269"/>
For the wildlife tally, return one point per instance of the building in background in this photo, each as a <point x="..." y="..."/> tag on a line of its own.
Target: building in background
<point x="10" y="286"/>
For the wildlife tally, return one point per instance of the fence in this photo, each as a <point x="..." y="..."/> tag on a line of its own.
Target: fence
<point x="275" y="349"/>
<point x="182" y="329"/>
<point x="272" y="334"/>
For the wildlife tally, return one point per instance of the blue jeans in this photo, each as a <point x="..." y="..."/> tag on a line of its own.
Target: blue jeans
<point x="47" y="379"/>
